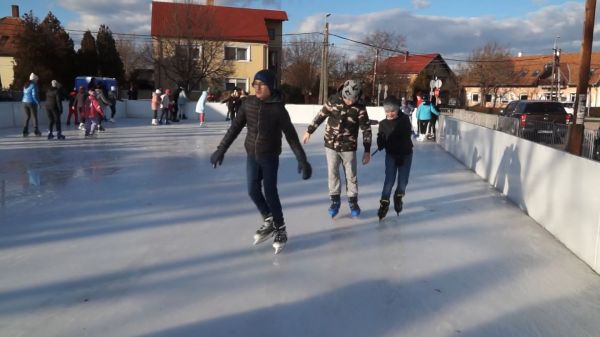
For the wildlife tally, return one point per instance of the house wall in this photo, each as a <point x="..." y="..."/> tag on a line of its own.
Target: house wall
<point x="533" y="93"/>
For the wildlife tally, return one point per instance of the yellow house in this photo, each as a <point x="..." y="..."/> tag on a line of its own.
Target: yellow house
<point x="248" y="39"/>
<point x="532" y="79"/>
<point x="10" y="28"/>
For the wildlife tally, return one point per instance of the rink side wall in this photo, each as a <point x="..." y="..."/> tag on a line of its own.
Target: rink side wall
<point x="558" y="190"/>
<point x="11" y="113"/>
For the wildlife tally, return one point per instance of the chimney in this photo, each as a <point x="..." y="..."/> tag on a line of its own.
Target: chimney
<point x="210" y="2"/>
<point x="15" y="11"/>
<point x="405" y="56"/>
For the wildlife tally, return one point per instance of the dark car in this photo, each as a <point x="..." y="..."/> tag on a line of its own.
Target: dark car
<point x="538" y="118"/>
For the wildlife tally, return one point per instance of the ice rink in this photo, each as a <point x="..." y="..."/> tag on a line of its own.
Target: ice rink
<point x="133" y="233"/>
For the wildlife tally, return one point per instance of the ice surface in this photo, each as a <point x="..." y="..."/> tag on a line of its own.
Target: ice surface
<point x="133" y="233"/>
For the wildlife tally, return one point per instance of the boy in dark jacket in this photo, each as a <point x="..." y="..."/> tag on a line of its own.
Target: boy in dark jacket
<point x="395" y="137"/>
<point x="54" y="110"/>
<point x="266" y="118"/>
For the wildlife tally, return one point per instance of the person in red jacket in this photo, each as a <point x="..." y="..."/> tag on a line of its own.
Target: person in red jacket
<point x="93" y="113"/>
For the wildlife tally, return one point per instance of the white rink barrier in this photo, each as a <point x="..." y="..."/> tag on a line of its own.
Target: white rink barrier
<point x="12" y="115"/>
<point x="558" y="190"/>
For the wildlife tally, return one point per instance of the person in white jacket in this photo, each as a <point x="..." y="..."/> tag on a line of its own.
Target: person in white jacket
<point x="200" y="106"/>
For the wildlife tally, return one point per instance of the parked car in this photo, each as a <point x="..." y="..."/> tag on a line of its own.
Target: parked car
<point x="538" y="118"/>
<point x="569" y="107"/>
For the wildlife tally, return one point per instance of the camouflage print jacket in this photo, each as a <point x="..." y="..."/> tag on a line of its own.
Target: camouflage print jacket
<point x="343" y="121"/>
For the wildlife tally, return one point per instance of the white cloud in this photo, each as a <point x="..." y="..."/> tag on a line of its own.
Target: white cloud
<point x="421" y="3"/>
<point x="457" y="37"/>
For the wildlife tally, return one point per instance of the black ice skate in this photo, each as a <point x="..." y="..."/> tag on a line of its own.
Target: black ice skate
<point x="354" y="209"/>
<point x="335" y="205"/>
<point x="280" y="239"/>
<point x="265" y="231"/>
<point x="398" y="203"/>
<point x="383" y="208"/>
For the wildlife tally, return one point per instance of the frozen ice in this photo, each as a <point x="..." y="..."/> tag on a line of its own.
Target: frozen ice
<point x="133" y="233"/>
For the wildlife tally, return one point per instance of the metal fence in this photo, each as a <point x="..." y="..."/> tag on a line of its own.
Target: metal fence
<point x="548" y="133"/>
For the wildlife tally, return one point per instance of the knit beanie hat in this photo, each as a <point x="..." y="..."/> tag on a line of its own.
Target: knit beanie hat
<point x="54" y="83"/>
<point x="33" y="77"/>
<point x="351" y="90"/>
<point x="268" y="77"/>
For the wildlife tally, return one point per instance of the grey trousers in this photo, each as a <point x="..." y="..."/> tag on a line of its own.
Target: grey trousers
<point x="348" y="161"/>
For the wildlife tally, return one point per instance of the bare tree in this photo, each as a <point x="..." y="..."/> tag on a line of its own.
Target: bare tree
<point x="301" y="64"/>
<point x="382" y="44"/>
<point x="191" y="52"/>
<point x="132" y="55"/>
<point x="491" y="68"/>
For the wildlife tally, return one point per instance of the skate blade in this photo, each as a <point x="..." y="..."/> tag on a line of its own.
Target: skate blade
<point x="278" y="249"/>
<point x="260" y="239"/>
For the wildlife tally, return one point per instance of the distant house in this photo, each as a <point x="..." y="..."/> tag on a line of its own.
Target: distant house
<point x="407" y="74"/>
<point x="10" y="28"/>
<point x="252" y="38"/>
<point x="532" y="79"/>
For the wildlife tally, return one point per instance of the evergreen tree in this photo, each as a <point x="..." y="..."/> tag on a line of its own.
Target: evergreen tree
<point x="87" y="56"/>
<point x="60" y="56"/>
<point x="109" y="61"/>
<point x="29" y="51"/>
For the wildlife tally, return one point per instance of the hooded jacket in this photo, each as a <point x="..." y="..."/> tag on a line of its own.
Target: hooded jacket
<point x="343" y="122"/>
<point x="266" y="121"/>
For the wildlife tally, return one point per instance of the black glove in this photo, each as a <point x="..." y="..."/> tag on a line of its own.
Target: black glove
<point x="216" y="158"/>
<point x="380" y="141"/>
<point x="305" y="169"/>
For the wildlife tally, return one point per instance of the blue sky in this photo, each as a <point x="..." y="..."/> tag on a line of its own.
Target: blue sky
<point x="450" y="27"/>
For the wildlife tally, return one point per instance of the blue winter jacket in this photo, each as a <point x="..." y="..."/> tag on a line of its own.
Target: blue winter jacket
<point x="425" y="110"/>
<point x="30" y="94"/>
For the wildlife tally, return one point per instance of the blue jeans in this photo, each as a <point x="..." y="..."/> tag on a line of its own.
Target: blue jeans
<point x="391" y="170"/>
<point x="261" y="173"/>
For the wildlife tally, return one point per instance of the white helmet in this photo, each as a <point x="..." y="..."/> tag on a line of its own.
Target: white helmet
<point x="351" y="90"/>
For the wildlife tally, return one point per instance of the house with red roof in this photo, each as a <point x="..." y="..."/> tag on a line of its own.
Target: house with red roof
<point x="407" y="74"/>
<point x="247" y="40"/>
<point x="10" y="28"/>
<point x="532" y="79"/>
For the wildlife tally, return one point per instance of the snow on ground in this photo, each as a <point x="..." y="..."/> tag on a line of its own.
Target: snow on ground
<point x="133" y="233"/>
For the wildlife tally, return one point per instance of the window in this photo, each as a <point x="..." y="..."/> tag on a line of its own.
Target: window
<point x="273" y="58"/>
<point x="475" y="97"/>
<point x="572" y="97"/>
<point x="271" y="33"/>
<point x="196" y="53"/>
<point x="535" y="73"/>
<point x="237" y="53"/>
<point x="231" y="83"/>
<point x="523" y="97"/>
<point x="185" y="51"/>
<point x="488" y="98"/>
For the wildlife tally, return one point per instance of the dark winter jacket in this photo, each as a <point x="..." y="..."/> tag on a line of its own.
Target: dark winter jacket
<point x="53" y="100"/>
<point x="395" y="136"/>
<point x="343" y="122"/>
<point x="265" y="120"/>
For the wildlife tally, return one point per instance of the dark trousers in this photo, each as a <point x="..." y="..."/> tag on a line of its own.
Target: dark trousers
<point x="394" y="168"/>
<point x="261" y="172"/>
<point x="431" y="127"/>
<point x="30" y="110"/>
<point x="423" y="126"/>
<point x="113" y="110"/>
<point x="72" y="112"/>
<point x="53" y="120"/>
<point x="164" y="114"/>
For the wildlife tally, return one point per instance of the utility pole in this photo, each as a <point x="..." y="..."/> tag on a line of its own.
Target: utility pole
<point x="323" y="90"/>
<point x="555" y="87"/>
<point x="576" y="130"/>
<point x="375" y="75"/>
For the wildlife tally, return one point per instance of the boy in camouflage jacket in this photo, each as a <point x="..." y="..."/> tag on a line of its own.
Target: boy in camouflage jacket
<point x="345" y="115"/>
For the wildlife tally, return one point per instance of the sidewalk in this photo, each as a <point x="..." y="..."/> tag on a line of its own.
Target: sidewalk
<point x="133" y="233"/>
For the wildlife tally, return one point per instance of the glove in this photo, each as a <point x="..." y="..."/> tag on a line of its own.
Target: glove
<point x="216" y="158"/>
<point x="305" y="169"/>
<point x="380" y="141"/>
